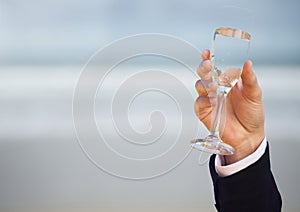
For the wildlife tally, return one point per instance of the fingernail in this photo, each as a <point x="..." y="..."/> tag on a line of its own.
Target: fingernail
<point x="210" y="84"/>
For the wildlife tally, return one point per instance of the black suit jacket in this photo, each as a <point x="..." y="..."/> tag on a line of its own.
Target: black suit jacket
<point x="251" y="189"/>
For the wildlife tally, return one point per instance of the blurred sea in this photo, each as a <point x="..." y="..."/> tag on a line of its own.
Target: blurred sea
<point x="43" y="167"/>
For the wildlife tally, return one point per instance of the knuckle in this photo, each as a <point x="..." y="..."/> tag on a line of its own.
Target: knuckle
<point x="259" y="93"/>
<point x="197" y="101"/>
<point x="206" y="64"/>
<point x="198" y="84"/>
<point x="202" y="102"/>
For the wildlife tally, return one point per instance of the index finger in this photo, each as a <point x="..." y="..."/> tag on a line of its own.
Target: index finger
<point x="205" y="54"/>
<point x="205" y="66"/>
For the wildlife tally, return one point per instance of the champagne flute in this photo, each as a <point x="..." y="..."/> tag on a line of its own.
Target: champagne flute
<point x="228" y="53"/>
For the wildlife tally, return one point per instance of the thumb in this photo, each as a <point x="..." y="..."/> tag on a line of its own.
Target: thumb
<point x="251" y="89"/>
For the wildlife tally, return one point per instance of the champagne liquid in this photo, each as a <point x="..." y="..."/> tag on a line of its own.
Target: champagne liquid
<point x="229" y="52"/>
<point x="228" y="79"/>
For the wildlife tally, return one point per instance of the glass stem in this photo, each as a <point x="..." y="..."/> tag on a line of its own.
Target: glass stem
<point x="215" y="127"/>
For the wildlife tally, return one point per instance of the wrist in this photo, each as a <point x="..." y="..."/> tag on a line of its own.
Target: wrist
<point x="227" y="170"/>
<point x="245" y="148"/>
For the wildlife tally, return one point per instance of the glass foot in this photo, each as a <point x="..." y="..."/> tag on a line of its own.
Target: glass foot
<point x="212" y="144"/>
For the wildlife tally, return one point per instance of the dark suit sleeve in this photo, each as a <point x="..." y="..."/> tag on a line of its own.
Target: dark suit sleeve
<point x="251" y="189"/>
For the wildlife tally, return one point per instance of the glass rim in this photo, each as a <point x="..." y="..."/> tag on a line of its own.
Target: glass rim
<point x="232" y="32"/>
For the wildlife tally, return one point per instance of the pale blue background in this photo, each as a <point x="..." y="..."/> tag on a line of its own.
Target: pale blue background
<point x="70" y="31"/>
<point x="43" y="46"/>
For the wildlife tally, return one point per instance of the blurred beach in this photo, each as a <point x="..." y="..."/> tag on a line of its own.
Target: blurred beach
<point x="131" y="147"/>
<point x="44" y="168"/>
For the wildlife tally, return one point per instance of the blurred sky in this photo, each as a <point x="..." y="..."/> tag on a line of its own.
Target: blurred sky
<point x="41" y="162"/>
<point x="70" y="31"/>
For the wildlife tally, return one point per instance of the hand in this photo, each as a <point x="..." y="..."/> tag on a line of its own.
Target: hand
<point x="244" y="127"/>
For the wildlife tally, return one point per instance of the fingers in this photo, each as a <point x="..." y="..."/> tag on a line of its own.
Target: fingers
<point x="207" y="99"/>
<point x="205" y="54"/>
<point x="202" y="103"/>
<point x="203" y="109"/>
<point x="251" y="88"/>
<point x="206" y="88"/>
<point x="205" y="66"/>
<point x="204" y="70"/>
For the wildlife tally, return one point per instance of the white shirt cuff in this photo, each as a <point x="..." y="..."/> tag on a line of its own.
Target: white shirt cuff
<point x="224" y="171"/>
